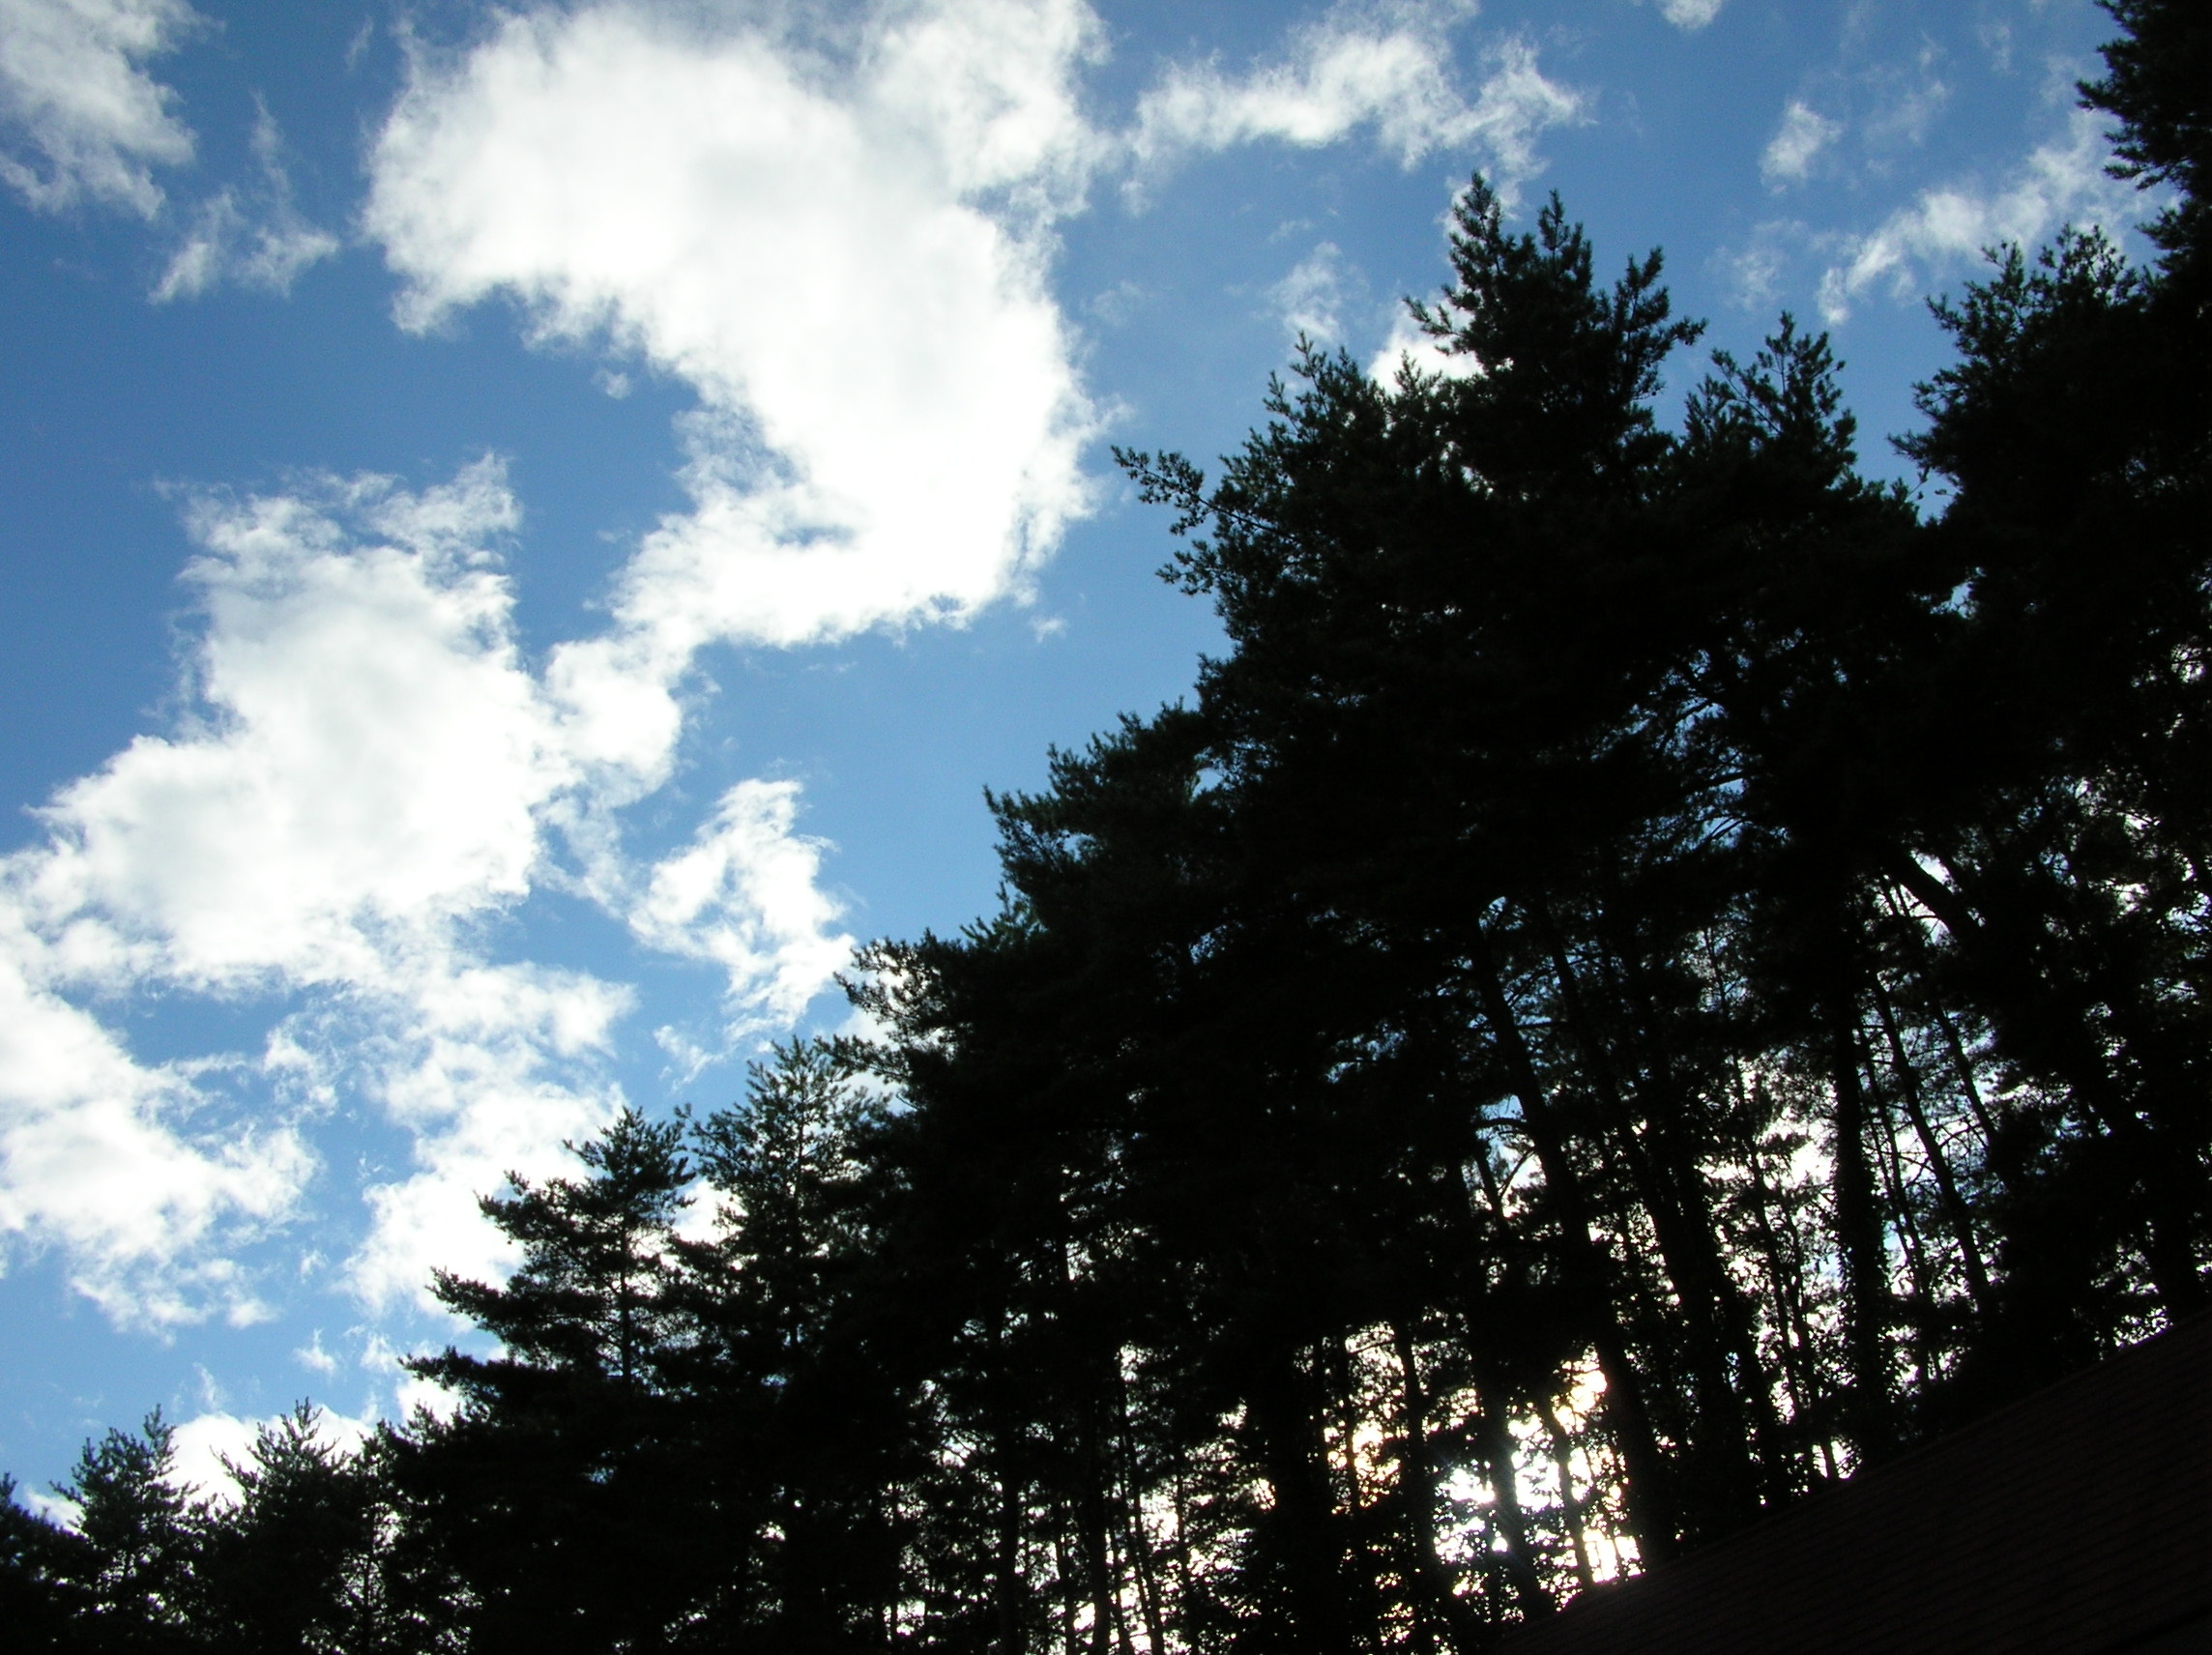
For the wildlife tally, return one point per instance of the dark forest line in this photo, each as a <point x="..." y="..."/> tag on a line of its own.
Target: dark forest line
<point x="1650" y="975"/>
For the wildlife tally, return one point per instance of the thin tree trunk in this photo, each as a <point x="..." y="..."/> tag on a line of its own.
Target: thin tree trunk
<point x="1362" y="1562"/>
<point x="1667" y="1183"/>
<point x="1892" y="1165"/>
<point x="1435" y="1603"/>
<point x="1962" y="1063"/>
<point x="1955" y="1210"/>
<point x="1973" y="1095"/>
<point x="1186" y="1591"/>
<point x="1118" y="1556"/>
<point x="1785" y="1272"/>
<point x="1090" y="1500"/>
<point x="1008" y="1587"/>
<point x="1570" y="1508"/>
<point x="2172" y="1184"/>
<point x="1501" y="1465"/>
<point x="1782" y="1286"/>
<point x="1745" y="1406"/>
<point x="1858" y="1237"/>
<point x="1065" y="1579"/>
<point x="1140" y="1542"/>
<point x="1302" y="1519"/>
<point x="1588" y="1272"/>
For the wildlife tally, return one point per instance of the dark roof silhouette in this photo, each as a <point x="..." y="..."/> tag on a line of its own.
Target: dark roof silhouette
<point x="2075" y="1522"/>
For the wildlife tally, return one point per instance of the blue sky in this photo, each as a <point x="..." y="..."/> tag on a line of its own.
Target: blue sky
<point x="527" y="531"/>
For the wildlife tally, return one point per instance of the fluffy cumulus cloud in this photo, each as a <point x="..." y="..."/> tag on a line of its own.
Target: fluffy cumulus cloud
<point x="79" y="116"/>
<point x="841" y="243"/>
<point x="366" y="775"/>
<point x="2061" y="182"/>
<point x="842" y="252"/>
<point x="1387" y="69"/>
<point x="365" y="763"/>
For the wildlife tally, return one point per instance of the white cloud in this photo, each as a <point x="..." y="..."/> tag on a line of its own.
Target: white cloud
<point x="492" y="1072"/>
<point x="841" y="245"/>
<point x="313" y="1358"/>
<point x="53" y="1508"/>
<point x="846" y="263"/>
<point x="1754" y="272"/>
<point x="104" y="1158"/>
<point x="1796" y="144"/>
<point x="356" y="772"/>
<point x="229" y="242"/>
<point x="202" y="1443"/>
<point x="2061" y="182"/>
<point x="746" y="895"/>
<point x="1310" y="299"/>
<point x="1690" y="14"/>
<point x="1997" y="40"/>
<point x="1906" y="101"/>
<point x="367" y="773"/>
<point x="254" y="236"/>
<point x="365" y="763"/>
<point x="81" y="118"/>
<point x="1390" y="69"/>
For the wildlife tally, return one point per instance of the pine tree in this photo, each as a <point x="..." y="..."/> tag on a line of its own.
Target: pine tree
<point x="132" y="1568"/>
<point x="794" y="1408"/>
<point x="552" y="1505"/>
<point x="292" y="1566"/>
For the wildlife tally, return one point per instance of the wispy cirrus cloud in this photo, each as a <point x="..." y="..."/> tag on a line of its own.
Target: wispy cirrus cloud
<point x="1311" y="299"/>
<point x="1946" y="229"/>
<point x="1903" y="101"/>
<point x="252" y="235"/>
<point x="746" y="895"/>
<point x="1388" y="70"/>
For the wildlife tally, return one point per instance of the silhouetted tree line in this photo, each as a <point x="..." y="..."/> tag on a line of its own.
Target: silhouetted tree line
<point x="1651" y="974"/>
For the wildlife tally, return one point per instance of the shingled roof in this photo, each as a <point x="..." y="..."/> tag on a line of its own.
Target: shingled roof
<point x="2078" y="1521"/>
